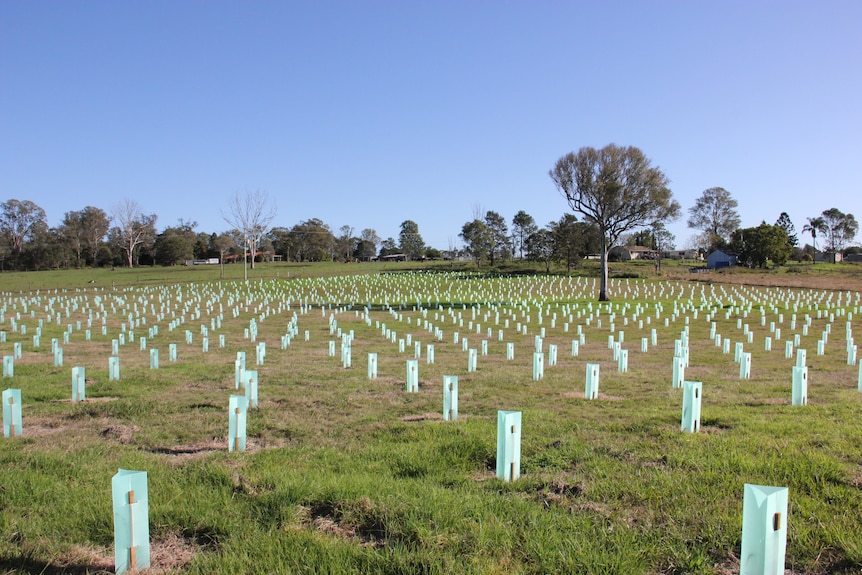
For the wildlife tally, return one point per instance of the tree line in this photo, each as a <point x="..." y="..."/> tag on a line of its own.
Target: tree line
<point x="621" y="197"/>
<point x="127" y="237"/>
<point x="715" y="215"/>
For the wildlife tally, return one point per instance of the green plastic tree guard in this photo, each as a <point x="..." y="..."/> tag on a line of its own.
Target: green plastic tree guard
<point x="250" y="382"/>
<point x="678" y="372"/>
<point x="508" y="445"/>
<point x="472" y="358"/>
<point x="450" y="397"/>
<point x="799" y="395"/>
<point x="238" y="413"/>
<point x="154" y="358"/>
<point x="372" y="366"/>
<point x="79" y="384"/>
<point x="745" y="365"/>
<point x="538" y="365"/>
<point x="12" y="426"/>
<point x="131" y="520"/>
<point x="623" y="361"/>
<point x="113" y="368"/>
<point x="592" y="387"/>
<point x="691" y="397"/>
<point x="412" y="375"/>
<point x="764" y="530"/>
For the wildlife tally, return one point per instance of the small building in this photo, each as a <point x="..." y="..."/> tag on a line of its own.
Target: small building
<point x="853" y="258"/>
<point x="628" y="253"/>
<point x="721" y="259"/>
<point x="682" y="255"/>
<point x="828" y="257"/>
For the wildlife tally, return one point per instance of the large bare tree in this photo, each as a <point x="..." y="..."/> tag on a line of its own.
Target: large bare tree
<point x="251" y="213"/>
<point x="135" y="227"/>
<point x="618" y="189"/>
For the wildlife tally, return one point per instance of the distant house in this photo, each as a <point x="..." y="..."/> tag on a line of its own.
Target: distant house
<point x="721" y="259"/>
<point x="394" y="258"/>
<point x="682" y="255"/>
<point x="853" y="258"/>
<point x="828" y="257"/>
<point x="628" y="253"/>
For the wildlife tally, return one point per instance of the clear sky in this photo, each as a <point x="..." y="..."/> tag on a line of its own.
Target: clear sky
<point x="369" y="113"/>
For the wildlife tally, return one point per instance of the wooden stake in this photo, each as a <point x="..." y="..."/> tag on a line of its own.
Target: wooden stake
<point x="236" y="438"/>
<point x="776" y="522"/>
<point x="133" y="559"/>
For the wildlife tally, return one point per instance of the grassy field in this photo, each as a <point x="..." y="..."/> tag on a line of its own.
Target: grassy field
<point x="346" y="474"/>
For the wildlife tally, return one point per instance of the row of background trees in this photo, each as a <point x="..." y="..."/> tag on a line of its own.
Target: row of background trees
<point x="621" y="197"/>
<point x="715" y="216"/>
<point x="128" y="237"/>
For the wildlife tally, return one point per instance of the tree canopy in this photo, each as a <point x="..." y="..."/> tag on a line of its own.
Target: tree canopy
<point x="618" y="189"/>
<point x="714" y="212"/>
<point x="410" y="242"/>
<point x="838" y="228"/>
<point x="760" y="246"/>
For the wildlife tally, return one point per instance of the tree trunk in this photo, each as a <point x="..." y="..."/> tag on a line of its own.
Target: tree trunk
<point x="603" y="285"/>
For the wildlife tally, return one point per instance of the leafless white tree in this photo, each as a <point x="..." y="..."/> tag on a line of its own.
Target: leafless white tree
<point x="133" y="225"/>
<point x="251" y="213"/>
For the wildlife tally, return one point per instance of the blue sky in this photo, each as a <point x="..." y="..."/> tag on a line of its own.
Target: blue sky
<point x="369" y="113"/>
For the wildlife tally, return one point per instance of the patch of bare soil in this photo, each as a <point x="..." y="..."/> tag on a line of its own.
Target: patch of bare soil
<point x="580" y="395"/>
<point x="41" y="426"/>
<point x="168" y="553"/>
<point x="329" y="519"/>
<point x="88" y="400"/>
<point x="789" y="280"/>
<point x="423" y="417"/>
<point x="180" y="454"/>
<point x="183" y="453"/>
<point x="769" y="401"/>
<point x="124" y="434"/>
<point x="558" y="492"/>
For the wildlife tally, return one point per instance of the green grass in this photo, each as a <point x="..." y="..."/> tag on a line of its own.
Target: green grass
<point x="347" y="475"/>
